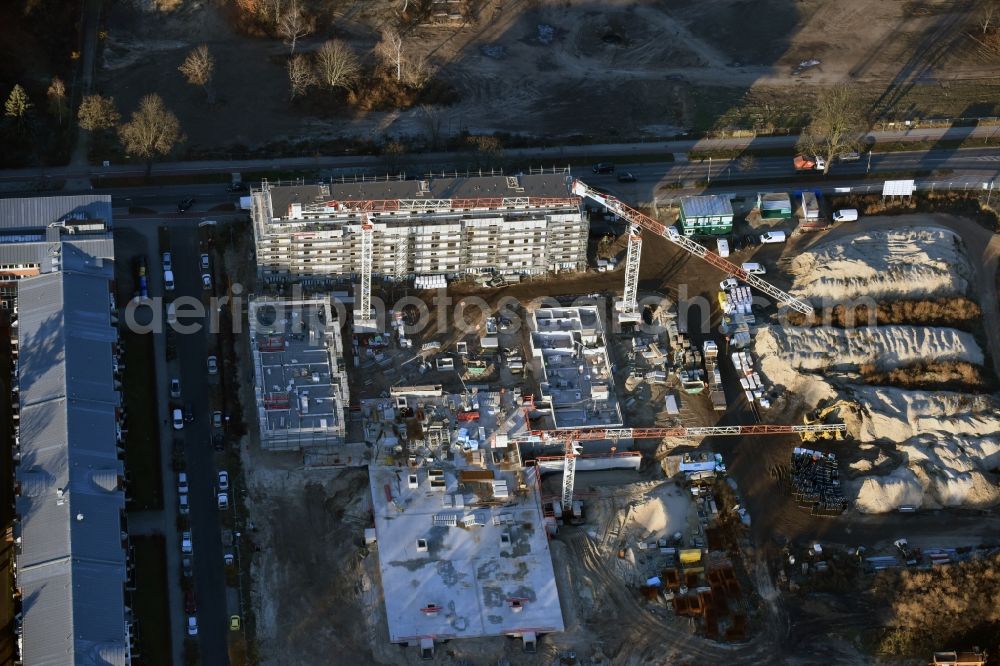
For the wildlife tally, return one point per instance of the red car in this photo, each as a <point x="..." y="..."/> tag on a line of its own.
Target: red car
<point x="190" y="604"/>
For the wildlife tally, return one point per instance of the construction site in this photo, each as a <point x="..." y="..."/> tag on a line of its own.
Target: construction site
<point x="567" y="457"/>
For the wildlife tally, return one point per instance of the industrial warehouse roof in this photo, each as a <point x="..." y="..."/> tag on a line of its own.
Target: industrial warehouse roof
<point x="70" y="563"/>
<point x="709" y="205"/>
<point x="538" y="185"/>
<point x="39" y="212"/>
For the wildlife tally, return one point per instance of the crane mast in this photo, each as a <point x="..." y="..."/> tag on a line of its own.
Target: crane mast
<point x="364" y="319"/>
<point x="634" y="217"/>
<point x="629" y="307"/>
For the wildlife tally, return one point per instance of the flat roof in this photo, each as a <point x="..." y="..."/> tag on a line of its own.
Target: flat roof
<point x="457" y="562"/>
<point x="446" y="187"/>
<point x="576" y="376"/>
<point x="301" y="385"/>
<point x="707" y="205"/>
<point x="774" y="200"/>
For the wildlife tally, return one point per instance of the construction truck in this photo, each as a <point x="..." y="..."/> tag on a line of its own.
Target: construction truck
<point x="818" y="416"/>
<point x="808" y="163"/>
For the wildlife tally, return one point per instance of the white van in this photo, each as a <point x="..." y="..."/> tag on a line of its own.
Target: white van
<point x="773" y="237"/>
<point x="753" y="268"/>
<point x="846" y="215"/>
<point x="168" y="280"/>
<point x="722" y="246"/>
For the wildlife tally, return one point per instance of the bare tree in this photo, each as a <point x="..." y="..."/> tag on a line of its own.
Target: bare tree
<point x="57" y="97"/>
<point x="199" y="67"/>
<point x="300" y="75"/>
<point x="153" y="130"/>
<point x="293" y="25"/>
<point x="987" y="14"/>
<point x="98" y="113"/>
<point x="17" y="104"/>
<point x="391" y="152"/>
<point x="837" y="125"/>
<point x="389" y="50"/>
<point x="336" y="64"/>
<point x="417" y="73"/>
<point x="487" y="150"/>
<point x="432" y="122"/>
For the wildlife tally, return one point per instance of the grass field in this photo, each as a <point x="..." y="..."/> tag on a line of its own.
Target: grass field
<point x="142" y="443"/>
<point x="151" y="607"/>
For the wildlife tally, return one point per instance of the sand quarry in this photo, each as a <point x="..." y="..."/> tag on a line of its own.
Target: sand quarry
<point x="928" y="449"/>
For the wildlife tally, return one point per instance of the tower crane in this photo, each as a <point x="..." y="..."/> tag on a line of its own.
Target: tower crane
<point x="637" y="220"/>
<point x="629" y="311"/>
<point x="573" y="438"/>
<point x="364" y="318"/>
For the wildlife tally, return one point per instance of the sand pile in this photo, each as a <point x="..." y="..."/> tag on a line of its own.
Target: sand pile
<point x="911" y="262"/>
<point x="660" y="512"/>
<point x="936" y="448"/>
<point x="898" y="414"/>
<point x="886" y="347"/>
<point x="937" y="473"/>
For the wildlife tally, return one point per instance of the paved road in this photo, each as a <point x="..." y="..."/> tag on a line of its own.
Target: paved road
<point x="425" y="161"/>
<point x="192" y="350"/>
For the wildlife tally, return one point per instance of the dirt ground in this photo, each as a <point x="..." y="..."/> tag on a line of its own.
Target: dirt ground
<point x="619" y="69"/>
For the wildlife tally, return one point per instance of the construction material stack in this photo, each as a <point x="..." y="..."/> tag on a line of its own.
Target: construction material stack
<point x="715" y="391"/>
<point x="816" y="483"/>
<point x="750" y="381"/>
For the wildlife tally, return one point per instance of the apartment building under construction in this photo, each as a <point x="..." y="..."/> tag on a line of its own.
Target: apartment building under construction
<point x="525" y="225"/>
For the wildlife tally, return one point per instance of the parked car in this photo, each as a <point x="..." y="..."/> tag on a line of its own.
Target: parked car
<point x="187" y="567"/>
<point x="846" y="215"/>
<point x="204" y="262"/>
<point x="190" y="603"/>
<point x="213" y="365"/>
<point x="168" y="280"/>
<point x="773" y="237"/>
<point x="188" y="413"/>
<point x="187" y="546"/>
<point x="185" y="204"/>
<point x="216" y="419"/>
<point x="722" y="247"/>
<point x="171" y="313"/>
<point x="228" y="559"/>
<point x="852" y="156"/>
<point x="182" y="483"/>
<point x="192" y="625"/>
<point x="183" y="506"/>
<point x="729" y="283"/>
<point x="223" y="480"/>
<point x="626" y="177"/>
<point x="218" y="442"/>
<point x="604" y="167"/>
<point x="754" y="268"/>
<point x="234" y="623"/>
<point x="178" y="419"/>
<point x="167" y="261"/>
<point x="175" y="388"/>
<point x="206" y="281"/>
<point x="223" y="501"/>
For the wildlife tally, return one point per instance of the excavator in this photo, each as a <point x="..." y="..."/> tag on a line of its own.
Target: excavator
<point x="818" y="416"/>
